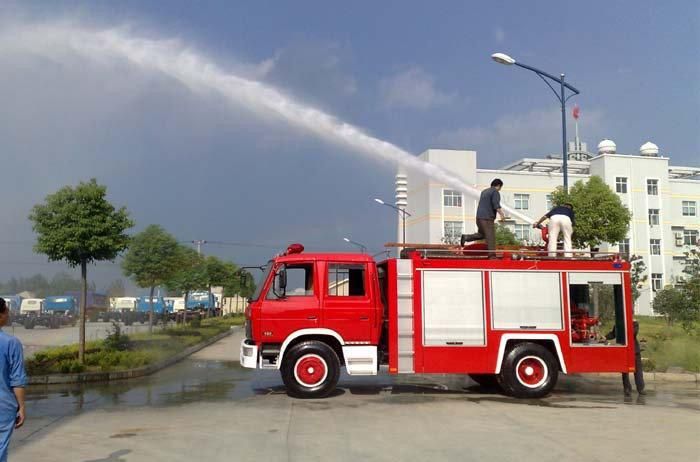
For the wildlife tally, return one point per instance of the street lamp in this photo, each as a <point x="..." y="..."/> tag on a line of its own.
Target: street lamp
<point x="503" y="58"/>
<point x="403" y="213"/>
<point x="362" y="247"/>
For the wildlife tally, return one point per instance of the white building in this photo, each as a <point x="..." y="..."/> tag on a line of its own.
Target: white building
<point x="663" y="199"/>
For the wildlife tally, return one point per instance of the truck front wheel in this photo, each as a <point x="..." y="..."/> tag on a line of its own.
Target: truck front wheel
<point x="310" y="370"/>
<point x="529" y="371"/>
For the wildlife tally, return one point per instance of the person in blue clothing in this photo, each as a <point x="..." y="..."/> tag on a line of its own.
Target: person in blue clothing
<point x="13" y="379"/>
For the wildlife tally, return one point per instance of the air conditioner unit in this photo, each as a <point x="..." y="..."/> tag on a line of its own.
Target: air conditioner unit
<point x="679" y="239"/>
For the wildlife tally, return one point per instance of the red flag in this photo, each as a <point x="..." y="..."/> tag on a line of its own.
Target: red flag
<point x="576" y="111"/>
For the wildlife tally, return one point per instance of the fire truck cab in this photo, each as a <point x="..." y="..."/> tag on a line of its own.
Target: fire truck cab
<point x="515" y="321"/>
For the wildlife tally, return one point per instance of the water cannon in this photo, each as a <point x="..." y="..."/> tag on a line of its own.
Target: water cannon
<point x="294" y="249"/>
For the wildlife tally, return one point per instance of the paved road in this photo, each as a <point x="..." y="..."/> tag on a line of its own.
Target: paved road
<point x="41" y="337"/>
<point x="209" y="408"/>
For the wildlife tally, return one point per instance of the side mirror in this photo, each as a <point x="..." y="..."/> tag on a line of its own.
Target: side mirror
<point x="283" y="278"/>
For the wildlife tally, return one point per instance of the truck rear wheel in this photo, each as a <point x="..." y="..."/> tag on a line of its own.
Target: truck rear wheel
<point x="310" y="370"/>
<point x="529" y="371"/>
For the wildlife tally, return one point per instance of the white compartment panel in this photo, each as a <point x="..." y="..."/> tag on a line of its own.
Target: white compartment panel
<point x="526" y="299"/>
<point x="453" y="310"/>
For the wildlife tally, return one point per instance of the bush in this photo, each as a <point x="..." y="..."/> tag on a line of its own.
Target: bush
<point x="70" y="366"/>
<point x="195" y="323"/>
<point x="115" y="340"/>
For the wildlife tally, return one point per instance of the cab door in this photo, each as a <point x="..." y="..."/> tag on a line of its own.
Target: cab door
<point x="291" y="308"/>
<point x="348" y="308"/>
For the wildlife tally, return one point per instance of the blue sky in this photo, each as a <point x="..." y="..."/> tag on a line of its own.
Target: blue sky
<point x="417" y="74"/>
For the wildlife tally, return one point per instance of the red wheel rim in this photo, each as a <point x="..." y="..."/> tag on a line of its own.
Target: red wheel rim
<point x="531" y="371"/>
<point x="310" y="370"/>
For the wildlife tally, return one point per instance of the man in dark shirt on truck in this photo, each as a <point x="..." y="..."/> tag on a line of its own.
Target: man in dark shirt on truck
<point x="561" y="218"/>
<point x="489" y="206"/>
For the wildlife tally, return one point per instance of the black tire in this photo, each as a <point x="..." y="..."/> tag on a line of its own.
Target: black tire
<point x="489" y="381"/>
<point x="529" y="370"/>
<point x="310" y="369"/>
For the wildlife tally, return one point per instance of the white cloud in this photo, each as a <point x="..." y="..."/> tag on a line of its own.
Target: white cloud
<point x="534" y="133"/>
<point x="412" y="88"/>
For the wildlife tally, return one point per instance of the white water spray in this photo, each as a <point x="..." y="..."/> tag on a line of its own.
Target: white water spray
<point x="196" y="72"/>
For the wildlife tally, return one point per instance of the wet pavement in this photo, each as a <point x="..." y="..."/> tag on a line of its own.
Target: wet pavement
<point x="211" y="381"/>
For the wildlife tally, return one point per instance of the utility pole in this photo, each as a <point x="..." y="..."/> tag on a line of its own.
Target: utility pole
<point x="199" y="243"/>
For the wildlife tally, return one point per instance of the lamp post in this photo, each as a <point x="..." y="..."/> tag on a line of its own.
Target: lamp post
<point x="503" y="58"/>
<point x="362" y="247"/>
<point x="403" y="213"/>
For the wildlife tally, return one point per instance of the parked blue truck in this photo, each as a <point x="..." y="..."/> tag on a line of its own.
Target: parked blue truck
<point x="53" y="312"/>
<point x="201" y="301"/>
<point x="64" y="304"/>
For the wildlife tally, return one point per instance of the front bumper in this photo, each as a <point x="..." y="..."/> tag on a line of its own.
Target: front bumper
<point x="249" y="354"/>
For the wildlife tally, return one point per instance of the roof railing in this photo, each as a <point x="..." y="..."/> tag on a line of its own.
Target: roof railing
<point x="501" y="253"/>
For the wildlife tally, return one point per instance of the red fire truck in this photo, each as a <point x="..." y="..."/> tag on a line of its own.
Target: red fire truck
<point x="515" y="321"/>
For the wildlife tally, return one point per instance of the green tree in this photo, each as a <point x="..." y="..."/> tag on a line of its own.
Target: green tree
<point x="152" y="260"/>
<point x="672" y="303"/>
<point x="638" y="275"/>
<point x="691" y="279"/>
<point x="504" y="236"/>
<point x="191" y="273"/>
<point x="600" y="215"/>
<point x="78" y="225"/>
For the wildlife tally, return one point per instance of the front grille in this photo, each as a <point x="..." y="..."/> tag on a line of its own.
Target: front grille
<point x="249" y="329"/>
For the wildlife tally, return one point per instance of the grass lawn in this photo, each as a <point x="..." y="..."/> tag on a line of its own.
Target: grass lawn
<point x="665" y="347"/>
<point x="120" y="352"/>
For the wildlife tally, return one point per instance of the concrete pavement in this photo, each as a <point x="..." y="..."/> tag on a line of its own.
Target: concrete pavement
<point x="208" y="408"/>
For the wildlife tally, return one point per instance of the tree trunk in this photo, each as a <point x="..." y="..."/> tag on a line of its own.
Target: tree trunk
<point x="83" y="311"/>
<point x="184" y="314"/>
<point x="150" y="311"/>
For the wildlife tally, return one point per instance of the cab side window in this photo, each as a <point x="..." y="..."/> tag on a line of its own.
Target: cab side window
<point x="346" y="280"/>
<point x="300" y="282"/>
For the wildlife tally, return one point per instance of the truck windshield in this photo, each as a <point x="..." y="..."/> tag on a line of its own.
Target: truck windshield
<point x="261" y="282"/>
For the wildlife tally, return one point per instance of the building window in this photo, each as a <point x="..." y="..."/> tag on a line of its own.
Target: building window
<point x="655" y="246"/>
<point x="690" y="236"/>
<point x="522" y="232"/>
<point x="549" y="202"/>
<point x="451" y="198"/>
<point x="689" y="208"/>
<point x="621" y="184"/>
<point x="522" y="201"/>
<point x="656" y="281"/>
<point x="624" y="247"/>
<point x="453" y="230"/>
<point x="653" y="187"/>
<point x="653" y="217"/>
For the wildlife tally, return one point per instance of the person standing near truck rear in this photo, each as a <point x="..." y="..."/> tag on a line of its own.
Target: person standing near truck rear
<point x="561" y="218"/>
<point x="13" y="379"/>
<point x="489" y="206"/>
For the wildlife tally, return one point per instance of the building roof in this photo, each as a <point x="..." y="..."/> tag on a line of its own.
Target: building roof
<point x="549" y="165"/>
<point x="530" y="164"/>
<point x="689" y="173"/>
